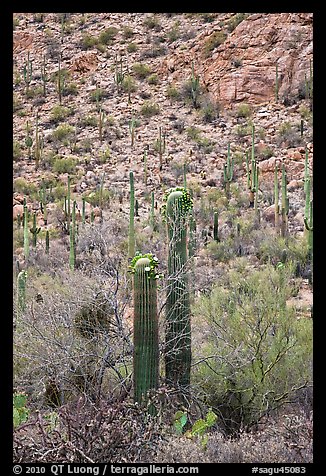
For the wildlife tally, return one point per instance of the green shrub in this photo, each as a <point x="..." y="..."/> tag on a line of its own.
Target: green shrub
<point x="64" y="165"/>
<point x="149" y="109"/>
<point x="91" y="121"/>
<point x="88" y="41"/>
<point x="62" y="132"/>
<point x="215" y="40"/>
<point x="16" y="150"/>
<point x="108" y="35"/>
<point x="257" y="352"/>
<point x="24" y="187"/>
<point x="151" y="22"/>
<point x="99" y="198"/>
<point x="193" y="133"/>
<point x="140" y="70"/>
<point x="132" y="47"/>
<point x="235" y="21"/>
<point x="153" y="79"/>
<point x="128" y="84"/>
<point x="20" y="411"/>
<point x="98" y="94"/>
<point x="59" y="113"/>
<point x="243" y="110"/>
<point x="70" y="89"/>
<point x="127" y="32"/>
<point x="172" y="92"/>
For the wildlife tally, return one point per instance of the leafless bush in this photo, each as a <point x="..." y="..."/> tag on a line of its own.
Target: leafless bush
<point x="86" y="433"/>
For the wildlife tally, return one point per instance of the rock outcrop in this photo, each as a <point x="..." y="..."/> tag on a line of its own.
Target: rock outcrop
<point x="243" y="68"/>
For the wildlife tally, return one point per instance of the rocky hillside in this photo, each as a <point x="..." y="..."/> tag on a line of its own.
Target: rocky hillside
<point x="198" y="98"/>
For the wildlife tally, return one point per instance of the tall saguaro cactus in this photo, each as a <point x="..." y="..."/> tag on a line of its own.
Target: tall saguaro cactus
<point x="228" y="172"/>
<point x="145" y="327"/>
<point x="21" y="291"/>
<point x="178" y="325"/>
<point x="285" y="204"/>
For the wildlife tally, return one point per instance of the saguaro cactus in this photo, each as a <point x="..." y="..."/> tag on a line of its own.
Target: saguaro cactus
<point x="21" y="291"/>
<point x="35" y="230"/>
<point x="215" y="228"/>
<point x="194" y="81"/>
<point x="178" y="325"/>
<point x="146" y="341"/>
<point x="285" y="204"/>
<point x="228" y="172"/>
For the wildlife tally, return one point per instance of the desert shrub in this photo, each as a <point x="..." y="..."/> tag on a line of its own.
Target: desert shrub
<point x="88" y="41"/>
<point x="174" y="33"/>
<point x="193" y="133"/>
<point x="98" y="94"/>
<point x="153" y="79"/>
<point x="214" y="40"/>
<point x="149" y="109"/>
<point x="108" y="35"/>
<point x="172" y="92"/>
<point x="260" y="351"/>
<point x="25" y="187"/>
<point x="64" y="165"/>
<point x="59" y="113"/>
<point x="16" y="150"/>
<point x="289" y="135"/>
<point x="128" y="84"/>
<point x="132" y="47"/>
<point x="209" y="111"/>
<point x="127" y="32"/>
<point x="70" y="89"/>
<point x="140" y="70"/>
<point x="235" y="21"/>
<point x="88" y="121"/>
<point x="151" y="22"/>
<point x="243" y="110"/>
<point x="62" y="132"/>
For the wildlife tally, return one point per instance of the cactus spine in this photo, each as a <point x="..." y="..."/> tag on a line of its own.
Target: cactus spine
<point x="145" y="326"/>
<point x="21" y="292"/>
<point x="26" y="235"/>
<point x="131" y="244"/>
<point x="178" y="325"/>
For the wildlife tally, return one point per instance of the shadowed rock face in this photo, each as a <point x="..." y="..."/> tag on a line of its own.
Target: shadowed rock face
<point x="243" y="68"/>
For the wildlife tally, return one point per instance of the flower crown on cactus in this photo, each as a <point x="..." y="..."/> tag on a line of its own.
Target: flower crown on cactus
<point x="186" y="200"/>
<point x="151" y="269"/>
